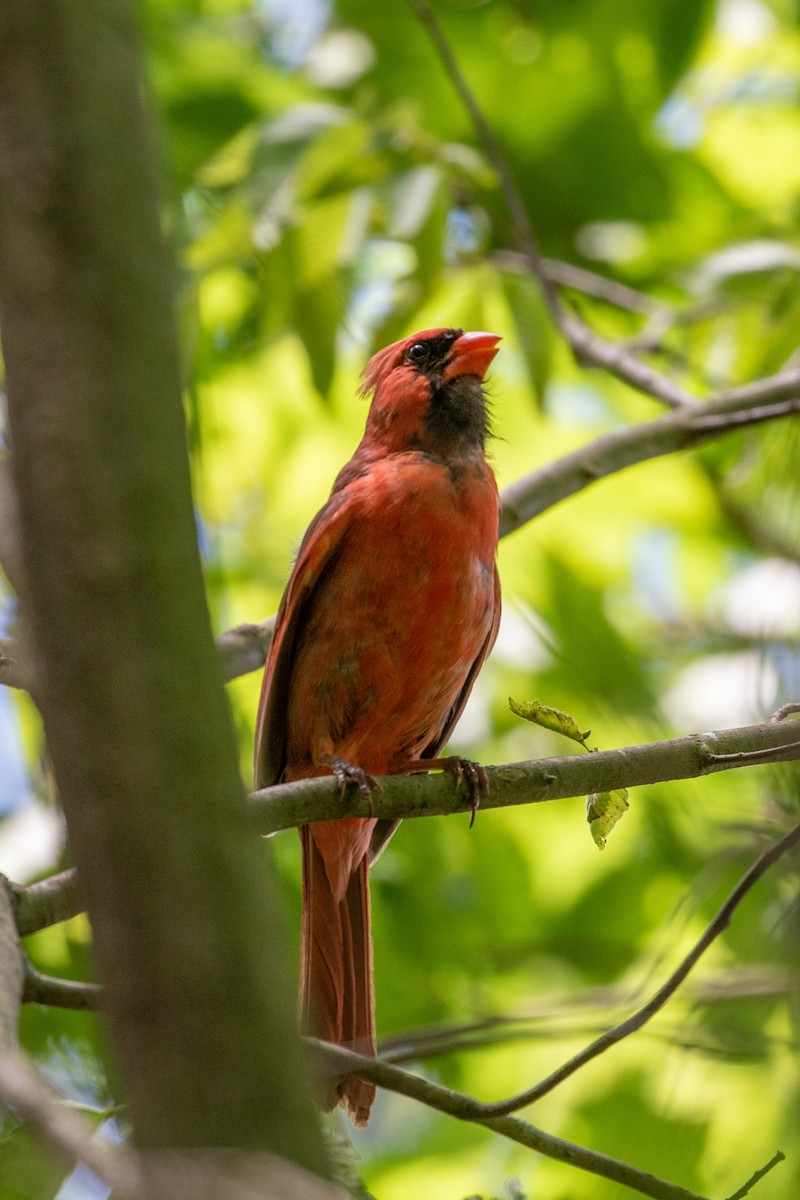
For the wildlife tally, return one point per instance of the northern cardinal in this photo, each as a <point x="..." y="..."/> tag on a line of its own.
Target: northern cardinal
<point x="390" y="610"/>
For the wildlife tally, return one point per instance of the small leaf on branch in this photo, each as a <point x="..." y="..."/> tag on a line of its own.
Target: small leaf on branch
<point x="549" y="718"/>
<point x="603" y="810"/>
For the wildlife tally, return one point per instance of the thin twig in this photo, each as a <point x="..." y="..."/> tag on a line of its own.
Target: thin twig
<point x="728" y="421"/>
<point x="785" y="384"/>
<point x="59" y="993"/>
<point x="746" y="1188"/>
<point x="588" y="283"/>
<point x="743" y="757"/>
<point x="640" y="1018"/>
<point x="666" y="318"/>
<point x="599" y="287"/>
<point x="561" y="1017"/>
<point x="786" y="710"/>
<point x="586" y="345"/>
<point x="336" y="1060"/>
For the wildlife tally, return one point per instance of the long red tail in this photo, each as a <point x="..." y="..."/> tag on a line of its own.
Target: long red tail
<point x="337" y="997"/>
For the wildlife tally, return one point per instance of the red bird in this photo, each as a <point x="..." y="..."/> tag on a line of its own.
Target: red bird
<point x="391" y="608"/>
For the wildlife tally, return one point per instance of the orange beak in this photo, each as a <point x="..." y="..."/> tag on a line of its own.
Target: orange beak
<point x="471" y="354"/>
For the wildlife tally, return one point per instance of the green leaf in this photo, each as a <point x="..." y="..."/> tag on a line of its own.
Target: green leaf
<point x="549" y="718"/>
<point x="317" y="315"/>
<point x="340" y="158"/>
<point x="27" y="1172"/>
<point x="603" y="810"/>
<point x="411" y="198"/>
<point x="534" y="327"/>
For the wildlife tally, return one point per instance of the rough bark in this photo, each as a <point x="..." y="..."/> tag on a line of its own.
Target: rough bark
<point x="188" y="941"/>
<point x="12" y="970"/>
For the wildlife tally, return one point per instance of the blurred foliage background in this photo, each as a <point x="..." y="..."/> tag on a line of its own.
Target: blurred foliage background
<point x="326" y="194"/>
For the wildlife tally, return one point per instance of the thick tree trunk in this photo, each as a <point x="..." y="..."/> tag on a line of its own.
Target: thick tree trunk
<point x="189" y="945"/>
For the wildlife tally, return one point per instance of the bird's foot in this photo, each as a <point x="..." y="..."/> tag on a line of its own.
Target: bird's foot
<point x="348" y="774"/>
<point x="473" y="775"/>
<point x="463" y="770"/>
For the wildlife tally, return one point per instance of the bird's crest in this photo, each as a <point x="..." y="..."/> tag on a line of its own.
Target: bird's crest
<point x="384" y="362"/>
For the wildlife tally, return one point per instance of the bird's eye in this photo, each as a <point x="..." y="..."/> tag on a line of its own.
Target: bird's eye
<point x="417" y="353"/>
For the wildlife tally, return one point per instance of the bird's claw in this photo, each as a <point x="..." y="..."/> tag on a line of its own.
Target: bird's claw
<point x="463" y="770"/>
<point x="347" y="774"/>
<point x="473" y="775"/>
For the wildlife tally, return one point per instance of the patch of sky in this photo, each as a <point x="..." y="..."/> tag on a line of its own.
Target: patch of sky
<point x="655" y="574"/>
<point x="293" y="27"/>
<point x="14" y="779"/>
<point x="379" y="268"/>
<point x="576" y="404"/>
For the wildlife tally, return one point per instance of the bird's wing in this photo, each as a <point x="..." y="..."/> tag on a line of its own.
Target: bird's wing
<point x="317" y="554"/>
<point x="385" y="827"/>
<point x="439" y="738"/>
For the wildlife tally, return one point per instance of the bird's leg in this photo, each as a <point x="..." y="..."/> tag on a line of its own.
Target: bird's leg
<point x="347" y="773"/>
<point x="463" y="770"/>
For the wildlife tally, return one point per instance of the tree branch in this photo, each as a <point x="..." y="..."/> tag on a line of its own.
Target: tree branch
<point x="59" y="993"/>
<point x="777" y="396"/>
<point x="600" y="287"/>
<point x="589" y="283"/>
<point x="615" y="358"/>
<point x="535" y="782"/>
<point x="494" y="1115"/>
<point x="613" y="452"/>
<point x="244" y="648"/>
<point x="337" y="1061"/>
<point x="497" y="1116"/>
<point x="407" y="796"/>
<point x="586" y="345"/>
<point x="785" y="385"/>
<point x="45" y="903"/>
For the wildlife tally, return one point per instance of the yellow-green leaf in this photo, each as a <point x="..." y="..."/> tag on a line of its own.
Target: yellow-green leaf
<point x="603" y="810"/>
<point x="549" y="718"/>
